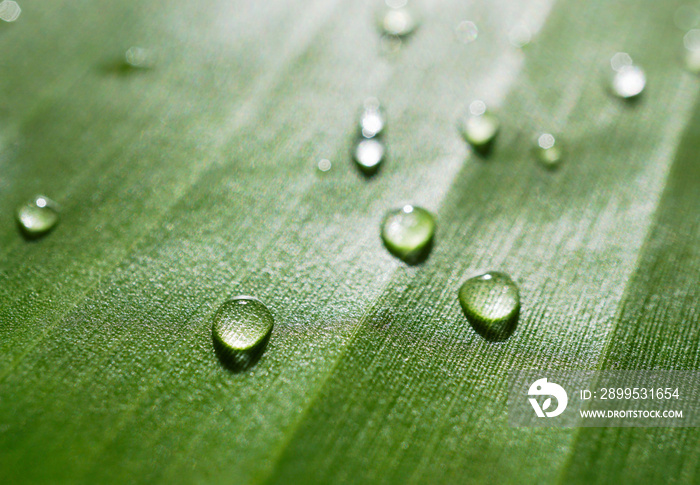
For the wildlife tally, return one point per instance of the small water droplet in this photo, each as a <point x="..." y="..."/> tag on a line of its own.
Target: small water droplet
<point x="491" y="303"/>
<point x="398" y="21"/>
<point x="140" y="58"/>
<point x="480" y="127"/>
<point x="38" y="216"/>
<point x="369" y="155"/>
<point x="9" y="11"/>
<point x="241" y="330"/>
<point x="408" y="233"/>
<point x="467" y="32"/>
<point x="324" y="165"/>
<point x="548" y="150"/>
<point x="372" y="120"/>
<point x="520" y="36"/>
<point x="628" y="79"/>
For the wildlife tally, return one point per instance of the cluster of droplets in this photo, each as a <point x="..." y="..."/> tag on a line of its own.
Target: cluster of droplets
<point x="242" y="326"/>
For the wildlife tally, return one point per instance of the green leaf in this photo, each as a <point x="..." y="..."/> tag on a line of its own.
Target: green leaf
<point x="186" y="184"/>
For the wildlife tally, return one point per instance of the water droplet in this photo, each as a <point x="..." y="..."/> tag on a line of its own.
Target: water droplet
<point x="369" y="155"/>
<point x="38" y="216"/>
<point x="241" y="330"/>
<point x="324" y="165"/>
<point x="520" y="36"/>
<point x="628" y="80"/>
<point x="480" y="127"/>
<point x="372" y="120"/>
<point x="139" y="58"/>
<point x="491" y="303"/>
<point x="686" y="17"/>
<point x="9" y="11"/>
<point x="467" y="32"/>
<point x="408" y="233"/>
<point x="548" y="150"/>
<point x="398" y="21"/>
<point x="691" y="41"/>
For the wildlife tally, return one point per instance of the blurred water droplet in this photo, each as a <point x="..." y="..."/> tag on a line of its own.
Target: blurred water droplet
<point x="38" y="216"/>
<point x="686" y="17"/>
<point x="491" y="303"/>
<point x="480" y="127"/>
<point x="369" y="155"/>
<point x="408" y="233"/>
<point x="398" y="22"/>
<point x="467" y="32"/>
<point x="628" y="80"/>
<point x="520" y="36"/>
<point x="241" y="329"/>
<point x="691" y="42"/>
<point x="372" y="120"/>
<point x="140" y="58"/>
<point x="324" y="165"/>
<point x="548" y="150"/>
<point x="9" y="11"/>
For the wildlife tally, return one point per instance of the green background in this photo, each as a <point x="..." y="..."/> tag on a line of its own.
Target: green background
<point x="195" y="181"/>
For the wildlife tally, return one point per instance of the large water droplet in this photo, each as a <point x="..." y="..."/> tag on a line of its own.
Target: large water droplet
<point x="491" y="303"/>
<point x="398" y="20"/>
<point x="408" y="233"/>
<point x="479" y="128"/>
<point x="628" y="79"/>
<point x="369" y="155"/>
<point x="38" y="216"/>
<point x="241" y="330"/>
<point x="548" y="150"/>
